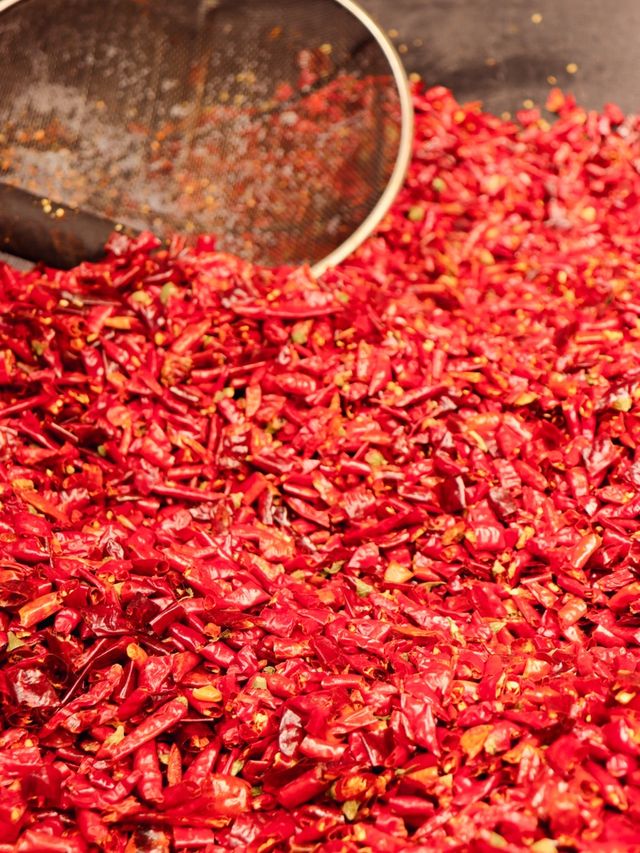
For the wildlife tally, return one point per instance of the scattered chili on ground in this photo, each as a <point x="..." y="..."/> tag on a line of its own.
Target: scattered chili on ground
<point x="344" y="564"/>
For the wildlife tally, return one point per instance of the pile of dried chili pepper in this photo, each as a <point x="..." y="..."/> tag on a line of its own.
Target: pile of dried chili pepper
<point x="339" y="565"/>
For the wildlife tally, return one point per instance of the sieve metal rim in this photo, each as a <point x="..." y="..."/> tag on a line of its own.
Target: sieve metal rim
<point x="403" y="157"/>
<point x="405" y="147"/>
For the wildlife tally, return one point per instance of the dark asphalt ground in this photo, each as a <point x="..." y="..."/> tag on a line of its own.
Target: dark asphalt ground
<point x="494" y="51"/>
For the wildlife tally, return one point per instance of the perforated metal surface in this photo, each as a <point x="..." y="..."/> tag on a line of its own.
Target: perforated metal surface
<point x="281" y="127"/>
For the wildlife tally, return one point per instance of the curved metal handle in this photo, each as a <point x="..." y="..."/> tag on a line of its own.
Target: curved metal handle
<point x="38" y="229"/>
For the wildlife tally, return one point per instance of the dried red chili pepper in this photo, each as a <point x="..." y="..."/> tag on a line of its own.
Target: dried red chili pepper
<point x="157" y="723"/>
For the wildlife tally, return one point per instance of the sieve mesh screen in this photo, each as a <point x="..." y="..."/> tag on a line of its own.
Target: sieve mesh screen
<point x="275" y="126"/>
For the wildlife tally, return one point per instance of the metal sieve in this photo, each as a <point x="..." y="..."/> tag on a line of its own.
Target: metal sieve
<point x="282" y="127"/>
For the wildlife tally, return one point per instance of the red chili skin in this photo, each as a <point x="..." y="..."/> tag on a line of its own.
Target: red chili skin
<point x="174" y="766"/>
<point x="302" y="312"/>
<point x="29" y="551"/>
<point x="93" y="830"/>
<point x="32" y="841"/>
<point x="411" y="807"/>
<point x="39" y="609"/>
<point x="229" y="795"/>
<point x="66" y="620"/>
<point x="189" y="838"/>
<point x="380" y="841"/>
<point x="302" y="789"/>
<point x="164" y="619"/>
<point x="187" y="638"/>
<point x="203" y="764"/>
<point x="127" y="683"/>
<point x="146" y="762"/>
<point x="102" y="652"/>
<point x="31" y="403"/>
<point x="161" y="720"/>
<point x="184" y="493"/>
<point x="218" y="653"/>
<point x="584" y="550"/>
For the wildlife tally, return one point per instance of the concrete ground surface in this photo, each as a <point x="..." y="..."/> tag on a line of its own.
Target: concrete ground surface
<point x="504" y="52"/>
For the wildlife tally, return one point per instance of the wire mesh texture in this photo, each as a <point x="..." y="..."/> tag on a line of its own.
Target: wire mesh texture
<point x="282" y="127"/>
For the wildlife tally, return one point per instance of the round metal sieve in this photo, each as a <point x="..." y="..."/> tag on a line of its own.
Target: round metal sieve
<point x="282" y="127"/>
